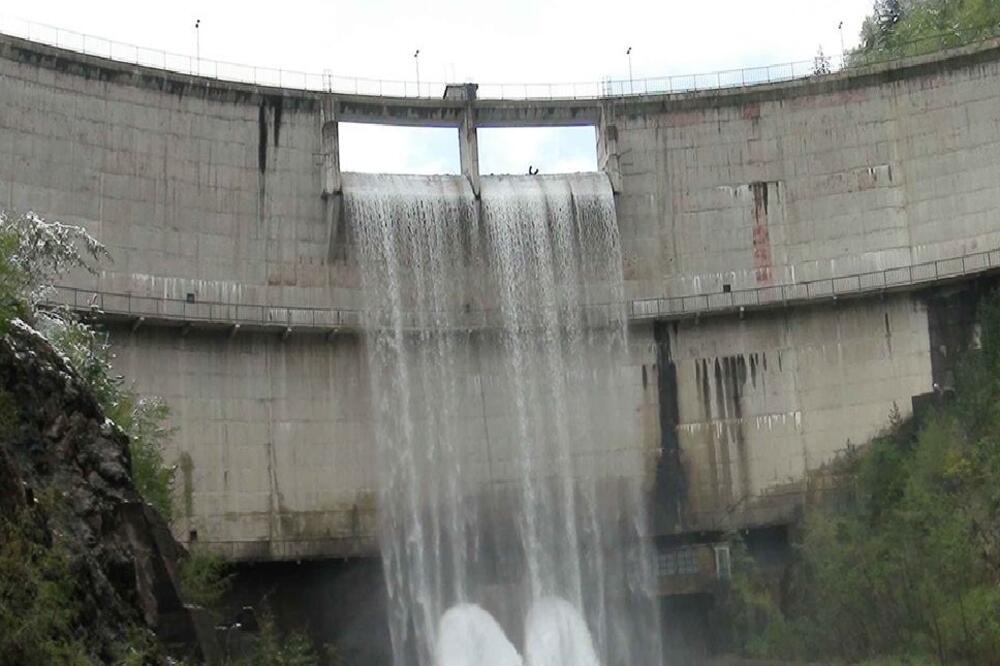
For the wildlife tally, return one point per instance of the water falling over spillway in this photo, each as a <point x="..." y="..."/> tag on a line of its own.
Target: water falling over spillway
<point x="510" y="469"/>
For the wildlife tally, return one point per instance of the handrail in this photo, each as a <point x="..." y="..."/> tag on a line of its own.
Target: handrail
<point x="327" y="81"/>
<point x="333" y="318"/>
<point x="859" y="283"/>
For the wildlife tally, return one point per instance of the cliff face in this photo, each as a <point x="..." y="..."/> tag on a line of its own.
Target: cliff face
<point x="68" y="466"/>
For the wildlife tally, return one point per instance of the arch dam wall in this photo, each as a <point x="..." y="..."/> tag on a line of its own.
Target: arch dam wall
<point x="798" y="259"/>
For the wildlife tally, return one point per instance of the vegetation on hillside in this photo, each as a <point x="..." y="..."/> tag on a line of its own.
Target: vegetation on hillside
<point x="43" y="597"/>
<point x="905" y="567"/>
<point x="33" y="252"/>
<point x="899" y="28"/>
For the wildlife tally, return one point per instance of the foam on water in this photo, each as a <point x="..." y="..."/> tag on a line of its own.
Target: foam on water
<point x="556" y="635"/>
<point x="469" y="636"/>
<point x="510" y="470"/>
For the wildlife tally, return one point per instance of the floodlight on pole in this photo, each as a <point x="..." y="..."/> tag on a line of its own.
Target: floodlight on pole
<point x="197" y="44"/>
<point x="843" y="49"/>
<point x="631" y="86"/>
<point x="416" y="63"/>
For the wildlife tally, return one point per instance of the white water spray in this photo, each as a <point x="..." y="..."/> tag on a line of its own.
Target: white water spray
<point x="510" y="469"/>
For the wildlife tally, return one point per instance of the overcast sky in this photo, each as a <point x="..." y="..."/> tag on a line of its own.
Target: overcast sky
<point x="490" y="42"/>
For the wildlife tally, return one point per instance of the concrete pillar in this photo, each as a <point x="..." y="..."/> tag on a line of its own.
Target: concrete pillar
<point x="607" y="147"/>
<point x="468" y="139"/>
<point x="468" y="146"/>
<point x="333" y="184"/>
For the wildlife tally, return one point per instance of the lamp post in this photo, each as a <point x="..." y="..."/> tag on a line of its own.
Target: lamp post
<point x="631" y="85"/>
<point x="416" y="63"/>
<point x="843" y="50"/>
<point x="197" y="45"/>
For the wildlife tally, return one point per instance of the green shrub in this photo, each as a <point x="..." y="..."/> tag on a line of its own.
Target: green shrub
<point x="273" y="648"/>
<point x="39" y="607"/>
<point x="907" y="569"/>
<point x="900" y="28"/>
<point x="33" y="252"/>
<point x="204" y="578"/>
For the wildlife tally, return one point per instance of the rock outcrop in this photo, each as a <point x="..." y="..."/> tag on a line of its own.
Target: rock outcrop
<point x="56" y="445"/>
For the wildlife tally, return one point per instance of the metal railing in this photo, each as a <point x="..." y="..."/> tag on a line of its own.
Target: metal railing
<point x="776" y="295"/>
<point x="327" y="81"/>
<point x="136" y="306"/>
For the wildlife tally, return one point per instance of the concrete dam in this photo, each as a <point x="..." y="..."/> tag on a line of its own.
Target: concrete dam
<point x="794" y="262"/>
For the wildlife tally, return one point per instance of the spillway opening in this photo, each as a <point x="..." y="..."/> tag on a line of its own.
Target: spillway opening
<point x="376" y="148"/>
<point x="549" y="150"/>
<point x="510" y="470"/>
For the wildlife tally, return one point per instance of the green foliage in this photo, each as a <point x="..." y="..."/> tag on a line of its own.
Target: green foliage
<point x="204" y="578"/>
<point x="908" y="569"/>
<point x="38" y="606"/>
<point x="748" y="610"/>
<point x="899" y="28"/>
<point x="142" y="419"/>
<point x="42" y="600"/>
<point x="34" y="251"/>
<point x="37" y="250"/>
<point x="10" y="277"/>
<point x="272" y="648"/>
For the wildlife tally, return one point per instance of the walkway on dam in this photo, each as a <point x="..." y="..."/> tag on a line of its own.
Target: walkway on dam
<point x="143" y="309"/>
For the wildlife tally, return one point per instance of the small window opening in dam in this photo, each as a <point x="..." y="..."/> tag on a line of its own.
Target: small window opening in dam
<point x="515" y="150"/>
<point x="372" y="148"/>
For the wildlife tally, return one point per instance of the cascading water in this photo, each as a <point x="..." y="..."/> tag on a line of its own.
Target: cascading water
<point x="510" y="470"/>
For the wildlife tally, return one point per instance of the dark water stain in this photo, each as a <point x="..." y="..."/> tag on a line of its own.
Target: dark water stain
<point x="705" y="394"/>
<point x="722" y="402"/>
<point x="262" y="137"/>
<point x="276" y="103"/>
<point x="722" y="414"/>
<point x="738" y="379"/>
<point x="888" y="334"/>
<point x="670" y="485"/>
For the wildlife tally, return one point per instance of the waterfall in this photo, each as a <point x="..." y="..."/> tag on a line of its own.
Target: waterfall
<point x="510" y="469"/>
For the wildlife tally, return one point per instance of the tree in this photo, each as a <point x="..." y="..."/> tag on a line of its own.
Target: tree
<point x="899" y="28"/>
<point x="907" y="569"/>
<point x="34" y="252"/>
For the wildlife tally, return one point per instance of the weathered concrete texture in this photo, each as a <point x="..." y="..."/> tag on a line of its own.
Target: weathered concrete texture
<point x="274" y="444"/>
<point x="810" y="180"/>
<point x="215" y="195"/>
<point x="228" y="192"/>
<point x="762" y="401"/>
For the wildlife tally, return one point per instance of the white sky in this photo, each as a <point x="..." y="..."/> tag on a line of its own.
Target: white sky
<point x="488" y="42"/>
